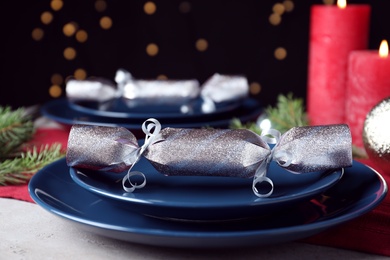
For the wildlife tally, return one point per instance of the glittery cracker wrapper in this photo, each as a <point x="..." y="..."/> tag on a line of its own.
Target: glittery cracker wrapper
<point x="211" y="152"/>
<point x="208" y="152"/>
<point x="187" y="94"/>
<point x="101" y="148"/>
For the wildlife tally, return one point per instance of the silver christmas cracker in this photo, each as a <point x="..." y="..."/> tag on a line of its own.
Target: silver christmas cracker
<point x="141" y="92"/>
<point x="101" y="148"/>
<point x="211" y="152"/>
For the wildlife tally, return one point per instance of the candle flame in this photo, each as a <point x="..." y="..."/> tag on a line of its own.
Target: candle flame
<point x="384" y="49"/>
<point x="342" y="3"/>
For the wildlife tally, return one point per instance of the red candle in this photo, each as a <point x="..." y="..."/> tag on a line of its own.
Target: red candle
<point x="368" y="84"/>
<point x="334" y="33"/>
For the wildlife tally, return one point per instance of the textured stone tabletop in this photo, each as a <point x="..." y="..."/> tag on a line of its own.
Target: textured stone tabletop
<point x="27" y="231"/>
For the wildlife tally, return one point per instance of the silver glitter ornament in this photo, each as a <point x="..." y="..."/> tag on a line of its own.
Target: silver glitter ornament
<point x="376" y="135"/>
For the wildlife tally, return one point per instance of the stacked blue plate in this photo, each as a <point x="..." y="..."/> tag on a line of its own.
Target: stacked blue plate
<point x="207" y="212"/>
<point x="68" y="113"/>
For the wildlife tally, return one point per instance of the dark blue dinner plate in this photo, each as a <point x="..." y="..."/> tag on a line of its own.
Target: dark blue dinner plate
<point x="118" y="109"/>
<point x="205" y="198"/>
<point x="62" y="112"/>
<point x="359" y="191"/>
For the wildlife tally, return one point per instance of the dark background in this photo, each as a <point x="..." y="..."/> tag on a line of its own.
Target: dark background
<point x="240" y="41"/>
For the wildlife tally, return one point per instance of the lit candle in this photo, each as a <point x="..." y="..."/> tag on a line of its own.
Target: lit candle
<point x="334" y="32"/>
<point x="368" y="84"/>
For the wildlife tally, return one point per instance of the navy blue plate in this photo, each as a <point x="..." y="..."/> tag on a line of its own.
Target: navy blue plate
<point x="359" y="191"/>
<point x="118" y="109"/>
<point x="61" y="111"/>
<point x="204" y="198"/>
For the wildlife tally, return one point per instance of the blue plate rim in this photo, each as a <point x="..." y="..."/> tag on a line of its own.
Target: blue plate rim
<point x="314" y="227"/>
<point x="62" y="104"/>
<point x="334" y="177"/>
<point x="139" y="115"/>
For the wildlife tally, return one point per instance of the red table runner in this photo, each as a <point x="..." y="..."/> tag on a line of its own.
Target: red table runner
<point x="42" y="136"/>
<point x="369" y="233"/>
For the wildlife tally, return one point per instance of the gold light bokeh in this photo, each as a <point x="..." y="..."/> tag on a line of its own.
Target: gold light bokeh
<point x="278" y="8"/>
<point x="46" y="17"/>
<point x="100" y="5"/>
<point x="70" y="53"/>
<point x="201" y="45"/>
<point x="80" y="74"/>
<point x="56" y="5"/>
<point x="56" y="79"/>
<point x="69" y="29"/>
<point x="37" y="34"/>
<point x="275" y="19"/>
<point x="288" y="5"/>
<point x="106" y="22"/>
<point x="81" y="36"/>
<point x="55" y="91"/>
<point x="280" y="53"/>
<point x="152" y="49"/>
<point x="255" y="88"/>
<point x="162" y="77"/>
<point x="328" y="2"/>
<point x="185" y="7"/>
<point x="150" y="8"/>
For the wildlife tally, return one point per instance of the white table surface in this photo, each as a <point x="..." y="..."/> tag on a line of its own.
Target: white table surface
<point x="27" y="231"/>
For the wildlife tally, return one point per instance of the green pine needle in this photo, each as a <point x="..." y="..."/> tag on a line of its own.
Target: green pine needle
<point x="16" y="165"/>
<point x="288" y="113"/>
<point x="20" y="169"/>
<point x="236" y="123"/>
<point x="16" y="128"/>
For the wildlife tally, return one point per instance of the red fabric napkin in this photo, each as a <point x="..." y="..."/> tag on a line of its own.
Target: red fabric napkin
<point x="369" y="233"/>
<point x="42" y="136"/>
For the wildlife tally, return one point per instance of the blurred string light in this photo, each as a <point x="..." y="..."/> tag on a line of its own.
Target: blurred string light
<point x="71" y="30"/>
<point x="46" y="17"/>
<point x="162" y="77"/>
<point x="56" y="81"/>
<point x="329" y="2"/>
<point x="80" y="74"/>
<point x="81" y="36"/>
<point x="280" y="53"/>
<point x="56" y="5"/>
<point x="263" y="122"/>
<point x="152" y="49"/>
<point x="105" y="22"/>
<point x="70" y="53"/>
<point x="184" y="7"/>
<point x="150" y="8"/>
<point x="201" y="45"/>
<point x="275" y="19"/>
<point x="37" y="34"/>
<point x="100" y="6"/>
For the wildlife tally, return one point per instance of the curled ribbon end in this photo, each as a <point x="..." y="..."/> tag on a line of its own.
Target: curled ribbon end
<point x="133" y="185"/>
<point x="259" y="180"/>
<point x="147" y="127"/>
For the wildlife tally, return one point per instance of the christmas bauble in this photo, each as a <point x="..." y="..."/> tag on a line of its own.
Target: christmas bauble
<point x="376" y="135"/>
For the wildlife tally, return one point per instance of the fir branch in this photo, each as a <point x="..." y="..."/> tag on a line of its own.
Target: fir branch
<point x="20" y="169"/>
<point x="16" y="128"/>
<point x="236" y="123"/>
<point x="288" y="113"/>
